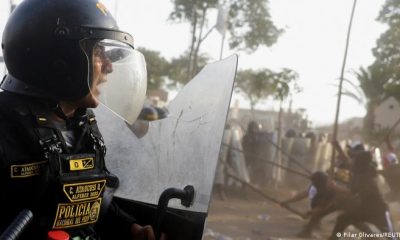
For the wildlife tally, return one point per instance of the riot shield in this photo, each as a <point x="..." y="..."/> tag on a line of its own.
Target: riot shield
<point x="177" y="152"/>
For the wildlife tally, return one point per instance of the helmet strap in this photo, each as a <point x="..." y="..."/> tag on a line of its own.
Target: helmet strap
<point x="60" y="113"/>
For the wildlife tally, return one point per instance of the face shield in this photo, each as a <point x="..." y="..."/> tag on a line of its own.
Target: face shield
<point x="117" y="76"/>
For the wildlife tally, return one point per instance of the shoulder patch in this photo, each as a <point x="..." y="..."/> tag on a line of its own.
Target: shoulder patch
<point x="26" y="170"/>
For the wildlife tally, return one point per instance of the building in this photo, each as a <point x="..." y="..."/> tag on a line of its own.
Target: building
<point x="387" y="113"/>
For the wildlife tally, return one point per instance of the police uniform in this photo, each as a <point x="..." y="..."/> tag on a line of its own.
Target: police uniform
<point x="61" y="181"/>
<point x="57" y="53"/>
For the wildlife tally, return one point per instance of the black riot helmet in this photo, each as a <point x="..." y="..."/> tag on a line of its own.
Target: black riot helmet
<point x="49" y="46"/>
<point x="254" y="127"/>
<point x="148" y="113"/>
<point x="355" y="147"/>
<point x="162" y="112"/>
<point x="363" y="163"/>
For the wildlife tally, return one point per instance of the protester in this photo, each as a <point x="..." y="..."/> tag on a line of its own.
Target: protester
<point x="368" y="205"/>
<point x="323" y="195"/>
<point x="391" y="171"/>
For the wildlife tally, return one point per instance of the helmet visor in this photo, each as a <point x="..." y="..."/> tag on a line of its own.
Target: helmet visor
<point x="118" y="78"/>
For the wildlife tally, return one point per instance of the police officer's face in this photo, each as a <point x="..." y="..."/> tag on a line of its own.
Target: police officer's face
<point x="101" y="67"/>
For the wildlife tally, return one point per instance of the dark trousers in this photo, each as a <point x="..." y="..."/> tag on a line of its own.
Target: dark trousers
<point x="358" y="217"/>
<point x="316" y="219"/>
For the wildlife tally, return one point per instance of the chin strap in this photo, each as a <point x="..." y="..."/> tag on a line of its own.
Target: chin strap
<point x="60" y="113"/>
<point x="79" y="114"/>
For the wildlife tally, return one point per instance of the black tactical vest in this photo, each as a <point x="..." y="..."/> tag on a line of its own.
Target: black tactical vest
<point x="63" y="187"/>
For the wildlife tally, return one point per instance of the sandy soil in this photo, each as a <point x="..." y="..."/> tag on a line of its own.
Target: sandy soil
<point x="244" y="215"/>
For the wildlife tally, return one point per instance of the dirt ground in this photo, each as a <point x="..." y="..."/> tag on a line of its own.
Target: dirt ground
<point x="245" y="215"/>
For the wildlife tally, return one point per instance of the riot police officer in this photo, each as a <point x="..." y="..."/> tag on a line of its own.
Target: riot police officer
<point x="64" y="57"/>
<point x="252" y="142"/>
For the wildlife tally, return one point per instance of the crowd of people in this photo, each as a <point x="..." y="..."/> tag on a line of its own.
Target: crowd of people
<point x="352" y="191"/>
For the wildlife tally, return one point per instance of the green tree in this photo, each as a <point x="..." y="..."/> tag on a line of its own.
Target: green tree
<point x="382" y="79"/>
<point x="160" y="70"/>
<point x="387" y="50"/>
<point x="177" y="71"/>
<point x="249" y="25"/>
<point x="372" y="82"/>
<point x="285" y="84"/>
<point x="157" y="68"/>
<point x="264" y="83"/>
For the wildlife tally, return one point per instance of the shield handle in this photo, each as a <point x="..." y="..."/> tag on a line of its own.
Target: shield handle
<point x="186" y="195"/>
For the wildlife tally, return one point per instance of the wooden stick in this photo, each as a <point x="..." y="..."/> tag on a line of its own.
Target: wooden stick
<point x="308" y="175"/>
<point x="257" y="190"/>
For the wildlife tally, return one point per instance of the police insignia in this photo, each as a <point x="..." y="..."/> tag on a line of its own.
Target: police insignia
<point x="26" y="170"/>
<point x="84" y="191"/>
<point x="77" y="214"/>
<point x="81" y="164"/>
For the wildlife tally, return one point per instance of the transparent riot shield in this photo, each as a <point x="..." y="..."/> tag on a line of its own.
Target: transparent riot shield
<point x="179" y="152"/>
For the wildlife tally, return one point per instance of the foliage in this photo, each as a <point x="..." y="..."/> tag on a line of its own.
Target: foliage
<point x="285" y="83"/>
<point x="387" y="50"/>
<point x="372" y="82"/>
<point x="382" y="79"/>
<point x="249" y="24"/>
<point x="355" y="92"/>
<point x="264" y="83"/>
<point x="157" y="68"/>
<point x="177" y="70"/>
<point x="195" y="12"/>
